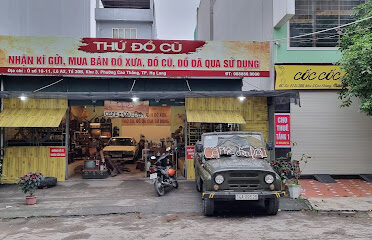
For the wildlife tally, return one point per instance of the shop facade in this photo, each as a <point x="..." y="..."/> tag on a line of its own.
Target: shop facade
<point x="82" y="80"/>
<point x="337" y="138"/>
<point x="305" y="56"/>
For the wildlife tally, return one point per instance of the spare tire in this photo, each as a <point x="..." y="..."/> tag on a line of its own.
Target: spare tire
<point x="48" y="182"/>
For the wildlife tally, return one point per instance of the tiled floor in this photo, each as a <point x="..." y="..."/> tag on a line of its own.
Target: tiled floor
<point x="342" y="188"/>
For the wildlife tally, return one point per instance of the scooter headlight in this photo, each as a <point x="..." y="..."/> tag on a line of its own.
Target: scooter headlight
<point x="219" y="179"/>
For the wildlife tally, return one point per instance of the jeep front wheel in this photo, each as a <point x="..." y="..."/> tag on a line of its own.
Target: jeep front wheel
<point x="272" y="206"/>
<point x="208" y="207"/>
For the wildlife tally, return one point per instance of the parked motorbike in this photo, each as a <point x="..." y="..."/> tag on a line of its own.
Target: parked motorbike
<point x="163" y="175"/>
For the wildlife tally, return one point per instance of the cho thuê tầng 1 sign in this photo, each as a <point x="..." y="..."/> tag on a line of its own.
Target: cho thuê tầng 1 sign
<point x="282" y="130"/>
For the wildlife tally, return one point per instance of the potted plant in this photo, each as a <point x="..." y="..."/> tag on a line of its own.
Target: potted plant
<point x="290" y="171"/>
<point x="28" y="184"/>
<point x="293" y="183"/>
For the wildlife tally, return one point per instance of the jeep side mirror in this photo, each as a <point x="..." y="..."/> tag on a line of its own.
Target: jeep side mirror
<point x="269" y="146"/>
<point x="199" y="148"/>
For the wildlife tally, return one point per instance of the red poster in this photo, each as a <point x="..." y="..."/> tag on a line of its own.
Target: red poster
<point x="190" y="152"/>
<point x="57" y="152"/>
<point x="282" y="130"/>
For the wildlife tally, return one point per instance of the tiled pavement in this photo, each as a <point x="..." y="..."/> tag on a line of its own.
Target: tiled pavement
<point x="342" y="188"/>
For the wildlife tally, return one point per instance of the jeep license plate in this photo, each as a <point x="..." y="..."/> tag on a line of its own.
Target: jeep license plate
<point x="246" y="196"/>
<point x="153" y="175"/>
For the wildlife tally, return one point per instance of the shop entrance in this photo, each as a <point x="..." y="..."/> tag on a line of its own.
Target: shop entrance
<point x="126" y="143"/>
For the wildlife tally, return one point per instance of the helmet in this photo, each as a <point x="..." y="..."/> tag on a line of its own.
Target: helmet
<point x="171" y="172"/>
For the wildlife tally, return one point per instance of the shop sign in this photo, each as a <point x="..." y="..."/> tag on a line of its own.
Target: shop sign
<point x="158" y="116"/>
<point x="57" y="152"/>
<point x="190" y="150"/>
<point x="308" y="77"/>
<point x="282" y="130"/>
<point x="132" y="57"/>
<point x="116" y="109"/>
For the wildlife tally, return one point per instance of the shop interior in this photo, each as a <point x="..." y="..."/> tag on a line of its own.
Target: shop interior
<point x="125" y="144"/>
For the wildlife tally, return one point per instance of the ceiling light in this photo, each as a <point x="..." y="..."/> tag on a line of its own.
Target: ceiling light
<point x="23" y="98"/>
<point x="135" y="99"/>
<point x="241" y="98"/>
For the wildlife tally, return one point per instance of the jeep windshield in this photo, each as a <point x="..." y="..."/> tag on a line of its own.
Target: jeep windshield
<point x="121" y="142"/>
<point x="239" y="145"/>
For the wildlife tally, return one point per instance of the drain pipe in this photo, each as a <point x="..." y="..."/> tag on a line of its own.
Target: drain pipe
<point x="211" y="22"/>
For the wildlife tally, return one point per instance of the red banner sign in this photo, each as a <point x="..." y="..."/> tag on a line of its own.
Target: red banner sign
<point x="132" y="57"/>
<point x="190" y="150"/>
<point x="102" y="45"/>
<point x="282" y="130"/>
<point x="57" y="152"/>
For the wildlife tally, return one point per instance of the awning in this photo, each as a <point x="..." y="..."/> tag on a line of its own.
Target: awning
<point x="216" y="116"/>
<point x="214" y="110"/>
<point x="31" y="117"/>
<point x="33" y="113"/>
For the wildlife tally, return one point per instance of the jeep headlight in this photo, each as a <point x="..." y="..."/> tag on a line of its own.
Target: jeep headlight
<point x="219" y="179"/>
<point x="269" y="178"/>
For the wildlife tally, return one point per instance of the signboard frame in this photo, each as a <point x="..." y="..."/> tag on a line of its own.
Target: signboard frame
<point x="285" y="131"/>
<point x="97" y="57"/>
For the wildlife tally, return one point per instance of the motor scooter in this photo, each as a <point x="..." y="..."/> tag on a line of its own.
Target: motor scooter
<point x="163" y="175"/>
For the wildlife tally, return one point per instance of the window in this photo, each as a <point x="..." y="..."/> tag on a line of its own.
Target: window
<point x="128" y="33"/>
<point x="316" y="15"/>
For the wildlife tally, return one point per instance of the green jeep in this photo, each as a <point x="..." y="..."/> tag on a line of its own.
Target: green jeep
<point x="233" y="166"/>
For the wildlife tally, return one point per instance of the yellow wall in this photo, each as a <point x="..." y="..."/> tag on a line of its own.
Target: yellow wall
<point x="190" y="169"/>
<point x="253" y="109"/>
<point x="20" y="160"/>
<point x="255" y="114"/>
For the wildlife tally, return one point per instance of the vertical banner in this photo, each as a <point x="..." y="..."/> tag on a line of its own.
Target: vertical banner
<point x="190" y="170"/>
<point x="282" y="130"/>
<point x="190" y="152"/>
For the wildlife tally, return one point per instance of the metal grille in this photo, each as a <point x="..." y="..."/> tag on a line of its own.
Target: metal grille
<point x="244" y="180"/>
<point x="316" y="15"/>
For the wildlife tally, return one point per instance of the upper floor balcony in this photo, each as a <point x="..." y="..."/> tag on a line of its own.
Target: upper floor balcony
<point x="124" y="10"/>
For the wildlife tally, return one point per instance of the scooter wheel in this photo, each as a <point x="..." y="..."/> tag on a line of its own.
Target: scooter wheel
<point x="175" y="184"/>
<point x="159" y="188"/>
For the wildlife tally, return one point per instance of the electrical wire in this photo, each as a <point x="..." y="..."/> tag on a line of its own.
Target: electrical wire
<point x="325" y="30"/>
<point x="331" y="36"/>
<point x="39" y="89"/>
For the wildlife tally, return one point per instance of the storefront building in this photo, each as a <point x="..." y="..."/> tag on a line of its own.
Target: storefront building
<point x="338" y="139"/>
<point x="64" y="99"/>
